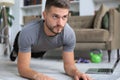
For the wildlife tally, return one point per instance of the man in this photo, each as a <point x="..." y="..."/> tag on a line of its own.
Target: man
<point x="47" y="34"/>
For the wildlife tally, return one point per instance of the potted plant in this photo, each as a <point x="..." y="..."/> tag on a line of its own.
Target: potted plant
<point x="4" y="24"/>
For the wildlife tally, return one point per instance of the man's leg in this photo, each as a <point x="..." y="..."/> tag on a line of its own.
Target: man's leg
<point x="14" y="52"/>
<point x="38" y="54"/>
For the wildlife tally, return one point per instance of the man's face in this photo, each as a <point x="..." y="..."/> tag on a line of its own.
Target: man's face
<point x="55" y="19"/>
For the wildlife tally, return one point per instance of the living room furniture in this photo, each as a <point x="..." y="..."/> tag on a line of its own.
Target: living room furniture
<point x="88" y="36"/>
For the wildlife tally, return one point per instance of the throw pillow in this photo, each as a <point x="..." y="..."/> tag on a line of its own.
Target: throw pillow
<point x="98" y="18"/>
<point x="105" y="21"/>
<point x="118" y="9"/>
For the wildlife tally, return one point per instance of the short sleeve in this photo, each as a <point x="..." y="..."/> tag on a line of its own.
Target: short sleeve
<point x="69" y="39"/>
<point x="24" y="42"/>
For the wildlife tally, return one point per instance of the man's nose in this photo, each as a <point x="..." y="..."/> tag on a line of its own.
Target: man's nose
<point x="60" y="22"/>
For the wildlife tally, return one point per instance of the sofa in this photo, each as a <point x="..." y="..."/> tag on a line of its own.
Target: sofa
<point x="90" y="33"/>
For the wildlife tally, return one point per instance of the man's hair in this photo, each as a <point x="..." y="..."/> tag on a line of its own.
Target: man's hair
<point x="57" y="3"/>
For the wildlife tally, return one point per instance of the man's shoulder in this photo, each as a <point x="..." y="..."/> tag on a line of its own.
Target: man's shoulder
<point x="33" y="25"/>
<point x="68" y="29"/>
<point x="32" y="29"/>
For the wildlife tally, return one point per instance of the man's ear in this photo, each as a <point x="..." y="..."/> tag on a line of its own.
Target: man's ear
<point x="44" y="14"/>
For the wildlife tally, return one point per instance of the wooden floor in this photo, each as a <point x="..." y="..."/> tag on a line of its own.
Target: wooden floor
<point x="54" y="68"/>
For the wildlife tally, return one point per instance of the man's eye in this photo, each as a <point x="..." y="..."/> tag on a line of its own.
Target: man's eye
<point x="64" y="17"/>
<point x="57" y="17"/>
<point x="54" y="17"/>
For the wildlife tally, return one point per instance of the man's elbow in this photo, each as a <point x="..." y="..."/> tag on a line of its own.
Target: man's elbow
<point x="22" y="71"/>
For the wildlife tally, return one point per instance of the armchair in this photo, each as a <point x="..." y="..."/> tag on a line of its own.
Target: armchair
<point x="89" y="37"/>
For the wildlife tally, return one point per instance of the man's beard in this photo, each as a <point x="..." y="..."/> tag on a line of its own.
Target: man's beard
<point x="51" y="28"/>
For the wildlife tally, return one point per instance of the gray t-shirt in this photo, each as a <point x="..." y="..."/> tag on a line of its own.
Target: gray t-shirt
<point x="33" y="38"/>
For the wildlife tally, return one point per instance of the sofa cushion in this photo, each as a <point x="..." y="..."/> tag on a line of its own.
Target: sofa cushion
<point x="86" y="21"/>
<point x="89" y="46"/>
<point x="91" y="35"/>
<point x="98" y="18"/>
<point x="78" y="22"/>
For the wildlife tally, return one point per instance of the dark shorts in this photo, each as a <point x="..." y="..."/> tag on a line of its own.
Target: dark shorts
<point x="38" y="54"/>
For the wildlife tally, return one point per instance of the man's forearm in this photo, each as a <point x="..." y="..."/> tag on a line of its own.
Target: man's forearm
<point x="33" y="75"/>
<point x="28" y="73"/>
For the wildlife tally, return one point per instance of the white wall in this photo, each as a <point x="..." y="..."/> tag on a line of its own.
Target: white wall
<point x="109" y="4"/>
<point x="86" y="7"/>
<point x="16" y="24"/>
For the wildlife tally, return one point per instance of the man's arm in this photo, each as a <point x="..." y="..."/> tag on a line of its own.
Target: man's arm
<point x="23" y="65"/>
<point x="71" y="69"/>
<point x="25" y="70"/>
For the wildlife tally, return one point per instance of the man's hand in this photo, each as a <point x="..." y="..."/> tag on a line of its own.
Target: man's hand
<point x="71" y="69"/>
<point x="40" y="76"/>
<point x="81" y="76"/>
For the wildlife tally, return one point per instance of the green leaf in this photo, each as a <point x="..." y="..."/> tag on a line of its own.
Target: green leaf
<point x="10" y="17"/>
<point x="7" y="9"/>
<point x="0" y="14"/>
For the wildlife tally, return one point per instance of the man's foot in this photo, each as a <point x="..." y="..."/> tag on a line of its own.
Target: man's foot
<point x="13" y="55"/>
